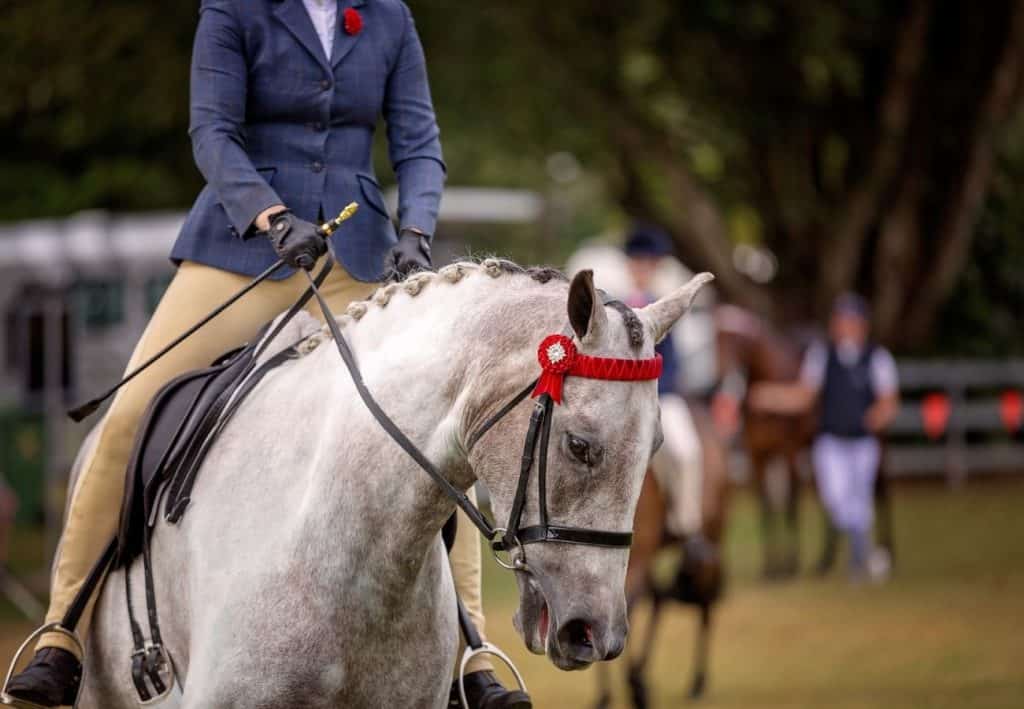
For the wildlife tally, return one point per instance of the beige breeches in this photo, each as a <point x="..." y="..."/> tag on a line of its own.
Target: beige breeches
<point x="679" y="466"/>
<point x="96" y="498"/>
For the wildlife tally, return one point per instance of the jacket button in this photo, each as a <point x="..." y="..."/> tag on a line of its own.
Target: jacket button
<point x="325" y="84"/>
<point x="317" y="166"/>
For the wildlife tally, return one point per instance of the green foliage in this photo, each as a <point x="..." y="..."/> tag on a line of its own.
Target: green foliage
<point x="773" y="107"/>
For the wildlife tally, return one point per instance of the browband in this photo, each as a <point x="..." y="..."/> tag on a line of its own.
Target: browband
<point x="559" y="359"/>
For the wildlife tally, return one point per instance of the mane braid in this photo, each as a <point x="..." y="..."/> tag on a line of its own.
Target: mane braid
<point x="414" y="283"/>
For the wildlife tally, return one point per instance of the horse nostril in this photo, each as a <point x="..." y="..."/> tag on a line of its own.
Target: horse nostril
<point x="577" y="637"/>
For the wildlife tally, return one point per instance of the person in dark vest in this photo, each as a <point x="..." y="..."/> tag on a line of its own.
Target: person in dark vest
<point x="854" y="382"/>
<point x="285" y="100"/>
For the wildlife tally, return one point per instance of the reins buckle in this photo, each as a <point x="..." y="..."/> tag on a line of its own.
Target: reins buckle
<point x="508" y="543"/>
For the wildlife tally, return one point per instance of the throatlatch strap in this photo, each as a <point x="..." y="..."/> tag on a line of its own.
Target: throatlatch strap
<point x="500" y="414"/>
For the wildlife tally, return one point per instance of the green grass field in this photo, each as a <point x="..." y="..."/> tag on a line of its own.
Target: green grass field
<point x="947" y="631"/>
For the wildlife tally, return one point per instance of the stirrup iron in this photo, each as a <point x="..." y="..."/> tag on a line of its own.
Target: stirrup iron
<point x="486" y="648"/>
<point x="8" y="701"/>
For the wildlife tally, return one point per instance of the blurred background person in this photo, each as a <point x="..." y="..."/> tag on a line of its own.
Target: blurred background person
<point x="854" y="382"/>
<point x="678" y="464"/>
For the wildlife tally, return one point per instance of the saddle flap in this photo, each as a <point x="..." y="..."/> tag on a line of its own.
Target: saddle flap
<point x="170" y="420"/>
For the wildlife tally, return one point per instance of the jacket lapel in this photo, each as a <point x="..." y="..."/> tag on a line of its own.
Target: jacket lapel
<point x="343" y="41"/>
<point x="293" y="15"/>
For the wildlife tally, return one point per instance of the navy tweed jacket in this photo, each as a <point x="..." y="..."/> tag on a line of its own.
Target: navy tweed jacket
<point x="275" y="121"/>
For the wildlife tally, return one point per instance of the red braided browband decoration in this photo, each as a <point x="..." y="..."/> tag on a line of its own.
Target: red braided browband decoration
<point x="559" y="359"/>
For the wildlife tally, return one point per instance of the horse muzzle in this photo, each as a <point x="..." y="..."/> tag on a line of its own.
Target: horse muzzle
<point x="572" y="636"/>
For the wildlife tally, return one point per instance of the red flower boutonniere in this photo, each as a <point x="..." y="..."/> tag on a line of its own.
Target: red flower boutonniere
<point x="352" y="22"/>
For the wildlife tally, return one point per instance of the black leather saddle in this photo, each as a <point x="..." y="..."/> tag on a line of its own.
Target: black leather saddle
<point x="177" y="430"/>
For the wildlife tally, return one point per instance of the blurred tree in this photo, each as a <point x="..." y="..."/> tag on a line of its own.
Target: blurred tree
<point x="94" y="106"/>
<point x="856" y="139"/>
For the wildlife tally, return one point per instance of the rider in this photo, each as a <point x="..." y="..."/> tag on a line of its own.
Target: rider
<point x="285" y="97"/>
<point x="678" y="465"/>
<point x="855" y="382"/>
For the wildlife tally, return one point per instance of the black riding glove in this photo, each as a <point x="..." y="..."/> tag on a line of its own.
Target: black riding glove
<point x="295" y="240"/>
<point x="410" y="254"/>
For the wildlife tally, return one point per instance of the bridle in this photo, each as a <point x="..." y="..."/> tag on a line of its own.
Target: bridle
<point x="559" y="358"/>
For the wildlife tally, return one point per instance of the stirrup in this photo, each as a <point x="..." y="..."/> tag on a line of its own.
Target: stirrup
<point x="8" y="701"/>
<point x="486" y="648"/>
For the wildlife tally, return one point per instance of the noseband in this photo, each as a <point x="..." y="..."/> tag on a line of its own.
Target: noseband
<point x="558" y="359"/>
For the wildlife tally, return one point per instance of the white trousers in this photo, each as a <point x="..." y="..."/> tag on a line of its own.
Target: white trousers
<point x="845" y="470"/>
<point x="679" y="466"/>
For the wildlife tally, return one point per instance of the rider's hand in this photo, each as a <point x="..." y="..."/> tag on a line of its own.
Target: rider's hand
<point x="410" y="254"/>
<point x="295" y="240"/>
<point x="725" y="412"/>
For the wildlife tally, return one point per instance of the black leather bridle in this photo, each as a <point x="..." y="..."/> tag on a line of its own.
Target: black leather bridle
<point x="513" y="536"/>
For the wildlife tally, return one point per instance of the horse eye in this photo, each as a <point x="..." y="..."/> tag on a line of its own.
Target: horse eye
<point x="580" y="449"/>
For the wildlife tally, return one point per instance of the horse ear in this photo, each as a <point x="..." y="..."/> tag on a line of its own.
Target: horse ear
<point x="661" y="315"/>
<point x="586" y="311"/>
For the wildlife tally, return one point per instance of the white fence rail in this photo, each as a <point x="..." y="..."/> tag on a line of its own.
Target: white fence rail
<point x="973" y="389"/>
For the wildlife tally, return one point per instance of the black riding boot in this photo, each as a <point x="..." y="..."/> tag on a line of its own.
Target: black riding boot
<point x="50" y="680"/>
<point x="484" y="691"/>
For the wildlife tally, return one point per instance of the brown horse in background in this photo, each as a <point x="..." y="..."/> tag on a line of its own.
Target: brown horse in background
<point x="698" y="578"/>
<point x="751" y="351"/>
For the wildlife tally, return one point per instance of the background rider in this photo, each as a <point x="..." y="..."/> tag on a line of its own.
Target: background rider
<point x="854" y="380"/>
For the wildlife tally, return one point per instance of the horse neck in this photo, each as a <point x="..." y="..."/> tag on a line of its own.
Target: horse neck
<point x="438" y="363"/>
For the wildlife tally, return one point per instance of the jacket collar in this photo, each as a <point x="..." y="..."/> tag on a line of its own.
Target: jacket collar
<point x="293" y="15"/>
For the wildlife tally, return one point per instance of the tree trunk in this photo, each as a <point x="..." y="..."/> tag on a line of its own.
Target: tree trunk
<point x="957" y="228"/>
<point x="841" y="257"/>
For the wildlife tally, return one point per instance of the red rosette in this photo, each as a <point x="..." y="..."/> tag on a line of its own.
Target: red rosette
<point x="352" y="21"/>
<point x="556" y="355"/>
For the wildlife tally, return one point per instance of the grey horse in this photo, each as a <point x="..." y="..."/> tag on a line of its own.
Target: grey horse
<point x="309" y="572"/>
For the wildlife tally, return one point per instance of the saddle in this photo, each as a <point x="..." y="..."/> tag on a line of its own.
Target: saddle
<point x="183" y="420"/>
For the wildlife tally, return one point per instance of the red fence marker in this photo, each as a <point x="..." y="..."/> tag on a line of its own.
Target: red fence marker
<point x="1011" y="409"/>
<point x="935" y="410"/>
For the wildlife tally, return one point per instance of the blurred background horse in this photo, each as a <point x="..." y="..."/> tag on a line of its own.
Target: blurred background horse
<point x="751" y="351"/>
<point x="695" y="576"/>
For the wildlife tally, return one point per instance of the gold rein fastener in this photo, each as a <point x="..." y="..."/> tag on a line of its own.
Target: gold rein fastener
<point x="328" y="228"/>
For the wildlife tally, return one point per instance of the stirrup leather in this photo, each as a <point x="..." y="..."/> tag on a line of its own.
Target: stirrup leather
<point x="8" y="701"/>
<point x="485" y="648"/>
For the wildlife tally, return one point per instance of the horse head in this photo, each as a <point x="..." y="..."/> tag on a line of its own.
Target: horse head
<point x="601" y="438"/>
